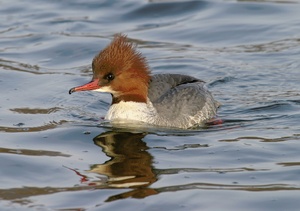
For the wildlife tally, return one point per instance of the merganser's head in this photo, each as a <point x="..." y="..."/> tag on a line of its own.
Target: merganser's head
<point x="120" y="70"/>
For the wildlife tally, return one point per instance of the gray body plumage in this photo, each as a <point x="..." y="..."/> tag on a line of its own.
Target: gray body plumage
<point x="181" y="101"/>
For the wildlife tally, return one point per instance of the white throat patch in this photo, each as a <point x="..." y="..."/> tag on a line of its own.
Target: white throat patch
<point x="105" y="89"/>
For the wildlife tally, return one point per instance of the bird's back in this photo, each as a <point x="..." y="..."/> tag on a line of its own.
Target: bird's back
<point x="181" y="100"/>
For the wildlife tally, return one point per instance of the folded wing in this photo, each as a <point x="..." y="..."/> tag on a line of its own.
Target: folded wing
<point x="181" y="98"/>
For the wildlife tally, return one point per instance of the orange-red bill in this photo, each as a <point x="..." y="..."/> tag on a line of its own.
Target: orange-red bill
<point x="89" y="86"/>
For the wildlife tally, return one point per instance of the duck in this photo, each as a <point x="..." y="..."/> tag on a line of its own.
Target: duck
<point x="161" y="100"/>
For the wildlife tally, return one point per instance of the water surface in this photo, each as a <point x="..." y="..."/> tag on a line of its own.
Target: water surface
<point x="57" y="155"/>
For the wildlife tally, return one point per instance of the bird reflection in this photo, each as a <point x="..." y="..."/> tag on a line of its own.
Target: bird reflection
<point x="130" y="165"/>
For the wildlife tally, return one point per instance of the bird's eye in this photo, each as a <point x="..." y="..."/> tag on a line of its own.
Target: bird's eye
<point x="93" y="66"/>
<point x="109" y="77"/>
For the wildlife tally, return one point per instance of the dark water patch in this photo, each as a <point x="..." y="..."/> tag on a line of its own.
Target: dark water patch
<point x="16" y="194"/>
<point x="33" y="152"/>
<point x="289" y="164"/>
<point x="70" y="19"/>
<point x="208" y="186"/>
<point x="185" y="146"/>
<point x="259" y="122"/>
<point x="166" y="10"/>
<point x="272" y="1"/>
<point x="262" y="139"/>
<point x="28" y="68"/>
<point x="86" y="118"/>
<point x="216" y="170"/>
<point x="297" y="102"/>
<point x="12" y="65"/>
<point x="23" y="128"/>
<point x="226" y="79"/>
<point x="269" y="47"/>
<point x="275" y="107"/>
<point x="238" y="120"/>
<point x="35" y="110"/>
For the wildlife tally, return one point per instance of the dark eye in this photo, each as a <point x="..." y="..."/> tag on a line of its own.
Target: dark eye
<point x="109" y="77"/>
<point x="93" y="66"/>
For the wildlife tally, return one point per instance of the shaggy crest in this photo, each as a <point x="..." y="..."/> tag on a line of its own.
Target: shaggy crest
<point x="121" y="55"/>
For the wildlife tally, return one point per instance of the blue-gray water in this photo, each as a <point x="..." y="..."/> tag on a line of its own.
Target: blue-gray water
<point x="54" y="155"/>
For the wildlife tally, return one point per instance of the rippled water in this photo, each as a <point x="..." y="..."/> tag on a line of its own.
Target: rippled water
<point x="57" y="155"/>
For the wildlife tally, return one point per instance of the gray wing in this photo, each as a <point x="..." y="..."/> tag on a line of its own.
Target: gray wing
<point x="176" y="97"/>
<point x="162" y="83"/>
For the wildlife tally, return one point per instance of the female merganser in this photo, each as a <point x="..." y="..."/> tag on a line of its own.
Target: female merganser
<point x="168" y="100"/>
